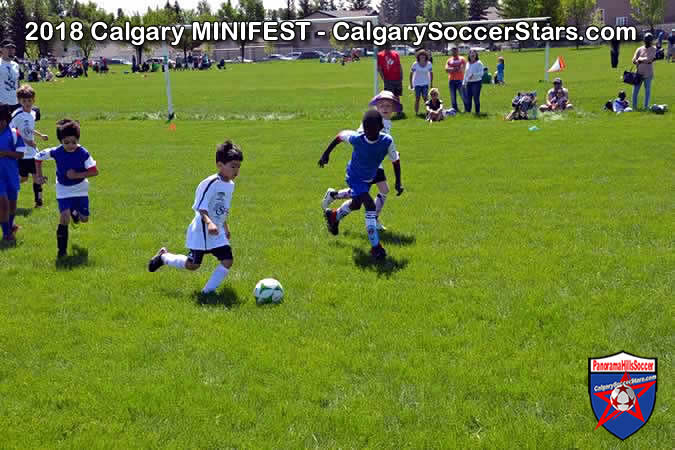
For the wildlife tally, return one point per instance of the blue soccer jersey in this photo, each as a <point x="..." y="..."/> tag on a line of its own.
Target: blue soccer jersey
<point x="10" y="141"/>
<point x="367" y="155"/>
<point x="80" y="161"/>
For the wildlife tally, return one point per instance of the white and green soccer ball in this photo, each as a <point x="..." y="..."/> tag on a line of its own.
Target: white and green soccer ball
<point x="267" y="291"/>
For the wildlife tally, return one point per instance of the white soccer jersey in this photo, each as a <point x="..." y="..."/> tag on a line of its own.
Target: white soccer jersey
<point x="9" y="82"/>
<point x="25" y="123"/>
<point x="213" y="195"/>
<point x="393" y="155"/>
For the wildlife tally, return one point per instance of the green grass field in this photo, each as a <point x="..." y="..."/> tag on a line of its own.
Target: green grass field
<point x="514" y="257"/>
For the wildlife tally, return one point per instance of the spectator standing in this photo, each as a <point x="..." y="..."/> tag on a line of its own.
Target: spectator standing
<point x="473" y="81"/>
<point x="455" y="67"/>
<point x="643" y="59"/>
<point x="389" y="67"/>
<point x="421" y="78"/>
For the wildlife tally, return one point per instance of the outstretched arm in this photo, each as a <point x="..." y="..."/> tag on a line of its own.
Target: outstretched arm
<point x="341" y="137"/>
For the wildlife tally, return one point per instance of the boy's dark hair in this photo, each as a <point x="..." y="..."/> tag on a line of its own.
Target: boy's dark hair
<point x="67" y="127"/>
<point x="622" y="94"/>
<point x="25" y="91"/>
<point x="5" y="113"/>
<point x="372" y="118"/>
<point x="228" y="151"/>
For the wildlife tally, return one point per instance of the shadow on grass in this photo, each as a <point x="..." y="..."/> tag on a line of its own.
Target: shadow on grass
<point x="79" y="256"/>
<point x="386" y="268"/>
<point x="394" y="238"/>
<point x="387" y="237"/>
<point x="6" y="245"/>
<point x="24" y="212"/>
<point x="224" y="297"/>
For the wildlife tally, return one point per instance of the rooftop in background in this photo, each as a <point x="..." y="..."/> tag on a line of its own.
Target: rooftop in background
<point x="342" y="13"/>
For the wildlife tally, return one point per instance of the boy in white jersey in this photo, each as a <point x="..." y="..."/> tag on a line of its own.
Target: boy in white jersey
<point x="386" y="103"/>
<point x="209" y="232"/>
<point x="24" y="121"/>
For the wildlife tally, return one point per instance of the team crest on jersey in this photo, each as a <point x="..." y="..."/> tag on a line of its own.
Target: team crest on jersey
<point x="622" y="388"/>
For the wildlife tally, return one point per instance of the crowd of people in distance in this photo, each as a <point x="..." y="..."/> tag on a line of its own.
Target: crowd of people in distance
<point x="467" y="76"/>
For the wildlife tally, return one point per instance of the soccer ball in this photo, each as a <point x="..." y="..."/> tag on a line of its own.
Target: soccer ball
<point x="268" y="290"/>
<point x="623" y="397"/>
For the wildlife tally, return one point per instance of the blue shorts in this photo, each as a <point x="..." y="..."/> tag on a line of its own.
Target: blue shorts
<point x="79" y="204"/>
<point x="358" y="187"/>
<point x="9" y="181"/>
<point x="421" y="91"/>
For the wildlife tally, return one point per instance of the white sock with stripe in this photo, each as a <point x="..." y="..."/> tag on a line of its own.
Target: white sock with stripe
<point x="344" y="193"/>
<point x="371" y="228"/>
<point x="344" y="210"/>
<point x="177" y="261"/>
<point x="217" y="277"/>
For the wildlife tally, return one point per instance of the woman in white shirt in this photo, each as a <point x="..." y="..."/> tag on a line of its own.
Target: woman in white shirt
<point x="473" y="80"/>
<point x="421" y="78"/>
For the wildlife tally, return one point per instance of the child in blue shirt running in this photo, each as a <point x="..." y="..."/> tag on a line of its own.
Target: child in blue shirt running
<point x="370" y="148"/>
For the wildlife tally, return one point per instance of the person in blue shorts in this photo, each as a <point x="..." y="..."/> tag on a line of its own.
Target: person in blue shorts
<point x="74" y="165"/>
<point x="370" y="147"/>
<point x="11" y="151"/>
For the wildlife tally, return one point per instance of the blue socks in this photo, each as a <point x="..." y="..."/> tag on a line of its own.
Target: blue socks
<point x="11" y="221"/>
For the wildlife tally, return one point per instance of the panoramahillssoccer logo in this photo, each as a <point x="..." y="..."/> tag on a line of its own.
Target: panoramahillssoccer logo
<point x="622" y="388"/>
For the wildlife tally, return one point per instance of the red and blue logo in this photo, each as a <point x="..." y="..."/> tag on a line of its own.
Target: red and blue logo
<point x="622" y="388"/>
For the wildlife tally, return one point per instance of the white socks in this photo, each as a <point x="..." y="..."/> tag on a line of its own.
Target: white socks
<point x="344" y="210"/>
<point x="343" y="193"/>
<point x="177" y="261"/>
<point x="217" y="277"/>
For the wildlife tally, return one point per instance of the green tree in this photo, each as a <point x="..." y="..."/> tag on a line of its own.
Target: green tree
<point x="289" y="11"/>
<point x="249" y="11"/>
<point x="203" y="8"/>
<point x="549" y="8"/>
<point x="390" y="11"/>
<point x="648" y="12"/>
<point x="444" y="10"/>
<point x="306" y="8"/>
<point x="579" y="12"/>
<point x="356" y="5"/>
<point x="514" y="9"/>
<point x="18" y="18"/>
<point x="477" y="10"/>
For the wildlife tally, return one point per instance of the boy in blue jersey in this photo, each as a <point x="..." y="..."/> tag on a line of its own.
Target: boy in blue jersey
<point x="74" y="165"/>
<point x="11" y="150"/>
<point x="370" y="148"/>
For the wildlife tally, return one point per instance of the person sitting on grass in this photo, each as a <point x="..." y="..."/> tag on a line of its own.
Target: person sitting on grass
<point x="557" y="98"/>
<point x="487" y="78"/>
<point x="620" y="104"/>
<point x="435" y="106"/>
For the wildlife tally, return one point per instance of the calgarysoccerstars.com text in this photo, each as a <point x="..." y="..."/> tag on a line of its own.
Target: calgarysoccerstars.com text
<point x="341" y="31"/>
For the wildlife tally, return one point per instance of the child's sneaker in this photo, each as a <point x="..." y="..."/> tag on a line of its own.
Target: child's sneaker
<point x="378" y="252"/>
<point x="328" y="198"/>
<point x="39" y="203"/>
<point x="61" y="255"/>
<point x="380" y="226"/>
<point x="156" y="261"/>
<point x="75" y="216"/>
<point x="331" y="221"/>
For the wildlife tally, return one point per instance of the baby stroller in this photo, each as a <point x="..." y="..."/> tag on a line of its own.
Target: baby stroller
<point x="524" y="106"/>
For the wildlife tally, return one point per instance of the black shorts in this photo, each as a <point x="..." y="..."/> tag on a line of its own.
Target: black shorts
<point x="26" y="167"/>
<point x="379" y="177"/>
<point x="221" y="253"/>
<point x="395" y="86"/>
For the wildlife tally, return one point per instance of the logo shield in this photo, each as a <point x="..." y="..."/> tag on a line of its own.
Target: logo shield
<point x="622" y="388"/>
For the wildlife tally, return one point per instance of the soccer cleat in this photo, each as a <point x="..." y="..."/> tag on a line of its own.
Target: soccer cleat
<point x="75" y="216"/>
<point x="15" y="229"/>
<point x="331" y="221"/>
<point x="380" y="226"/>
<point x="328" y="198"/>
<point x="61" y="254"/>
<point x="156" y="261"/>
<point x="38" y="204"/>
<point x="378" y="252"/>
